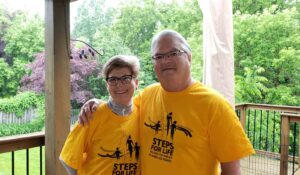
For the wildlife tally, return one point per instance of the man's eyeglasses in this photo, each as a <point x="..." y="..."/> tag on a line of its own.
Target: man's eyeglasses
<point x="171" y="54"/>
<point x="113" y="81"/>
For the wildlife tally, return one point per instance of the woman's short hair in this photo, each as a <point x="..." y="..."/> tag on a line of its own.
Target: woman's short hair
<point x="121" y="61"/>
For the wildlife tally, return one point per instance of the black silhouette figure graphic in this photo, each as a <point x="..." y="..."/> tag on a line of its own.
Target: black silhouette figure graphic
<point x="173" y="127"/>
<point x="169" y="121"/>
<point x="137" y="151"/>
<point x="155" y="126"/>
<point x="130" y="145"/>
<point x="116" y="154"/>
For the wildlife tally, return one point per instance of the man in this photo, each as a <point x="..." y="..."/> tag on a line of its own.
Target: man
<point x="208" y="132"/>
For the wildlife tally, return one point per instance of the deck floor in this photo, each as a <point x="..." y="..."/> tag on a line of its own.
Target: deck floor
<point x="262" y="165"/>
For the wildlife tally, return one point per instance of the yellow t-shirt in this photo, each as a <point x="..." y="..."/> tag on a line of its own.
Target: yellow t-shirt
<point x="188" y="132"/>
<point x="109" y="145"/>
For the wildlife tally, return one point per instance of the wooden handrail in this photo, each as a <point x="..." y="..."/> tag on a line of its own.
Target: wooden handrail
<point x="291" y="109"/>
<point x="19" y="142"/>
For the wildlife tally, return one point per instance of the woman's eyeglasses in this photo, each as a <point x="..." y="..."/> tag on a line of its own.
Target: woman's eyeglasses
<point x="125" y="79"/>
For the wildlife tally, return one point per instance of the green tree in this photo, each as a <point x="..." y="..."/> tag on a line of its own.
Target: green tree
<point x="24" y="37"/>
<point x="10" y="77"/>
<point x="138" y="21"/>
<point x="270" y="40"/>
<point x="250" y="86"/>
<point x="92" y="16"/>
<point x="257" y="6"/>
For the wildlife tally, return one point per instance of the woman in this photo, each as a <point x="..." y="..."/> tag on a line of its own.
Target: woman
<point x="110" y="144"/>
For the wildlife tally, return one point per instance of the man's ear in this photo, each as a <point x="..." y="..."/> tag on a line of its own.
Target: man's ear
<point x="136" y="84"/>
<point x="190" y="57"/>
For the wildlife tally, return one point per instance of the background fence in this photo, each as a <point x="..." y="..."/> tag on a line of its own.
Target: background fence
<point x="9" y="118"/>
<point x="29" y="115"/>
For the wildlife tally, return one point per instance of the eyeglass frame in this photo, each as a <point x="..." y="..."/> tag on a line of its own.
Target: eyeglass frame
<point x="168" y="54"/>
<point x="121" y="79"/>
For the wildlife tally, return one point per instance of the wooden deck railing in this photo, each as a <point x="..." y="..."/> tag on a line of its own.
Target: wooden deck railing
<point x="287" y="114"/>
<point x="20" y="142"/>
<point x="23" y="142"/>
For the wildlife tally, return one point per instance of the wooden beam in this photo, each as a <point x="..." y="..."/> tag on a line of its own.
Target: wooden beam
<point x="19" y="142"/>
<point x="284" y="145"/>
<point x="57" y="82"/>
<point x="291" y="109"/>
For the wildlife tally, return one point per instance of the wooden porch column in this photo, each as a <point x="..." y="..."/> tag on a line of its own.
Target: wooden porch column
<point x="57" y="82"/>
<point x="284" y="145"/>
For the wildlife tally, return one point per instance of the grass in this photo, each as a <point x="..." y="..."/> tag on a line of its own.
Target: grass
<point x="20" y="162"/>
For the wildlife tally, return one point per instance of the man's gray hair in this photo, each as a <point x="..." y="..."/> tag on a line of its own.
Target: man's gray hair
<point x="185" y="46"/>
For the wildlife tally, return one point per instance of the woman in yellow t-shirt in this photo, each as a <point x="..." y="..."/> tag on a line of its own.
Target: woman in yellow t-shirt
<point x="110" y="143"/>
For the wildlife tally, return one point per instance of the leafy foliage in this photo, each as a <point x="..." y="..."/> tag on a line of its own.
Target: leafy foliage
<point x="10" y="77"/>
<point x="83" y="65"/>
<point x="19" y="103"/>
<point x="24" y="37"/>
<point x="257" y="6"/>
<point x="271" y="41"/>
<point x="151" y="16"/>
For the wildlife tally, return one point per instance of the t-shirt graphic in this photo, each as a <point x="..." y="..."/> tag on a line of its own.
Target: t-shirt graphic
<point x="170" y="127"/>
<point x="125" y="162"/>
<point x="117" y="153"/>
<point x="162" y="146"/>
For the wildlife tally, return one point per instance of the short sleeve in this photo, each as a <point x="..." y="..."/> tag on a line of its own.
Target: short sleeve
<point x="137" y="100"/>
<point x="228" y="140"/>
<point x="73" y="151"/>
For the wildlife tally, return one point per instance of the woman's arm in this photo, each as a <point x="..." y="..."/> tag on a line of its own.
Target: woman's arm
<point x="69" y="169"/>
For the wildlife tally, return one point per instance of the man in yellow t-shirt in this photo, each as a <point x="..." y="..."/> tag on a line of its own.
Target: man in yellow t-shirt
<point x="185" y="127"/>
<point x="198" y="130"/>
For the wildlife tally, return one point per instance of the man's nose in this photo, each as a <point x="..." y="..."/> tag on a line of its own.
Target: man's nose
<point x="166" y="59"/>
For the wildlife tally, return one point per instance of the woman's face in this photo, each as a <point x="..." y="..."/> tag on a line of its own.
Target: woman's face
<point x="121" y="85"/>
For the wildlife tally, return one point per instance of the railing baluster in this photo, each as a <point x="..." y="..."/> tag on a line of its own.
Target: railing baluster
<point x="41" y="160"/>
<point x="267" y="136"/>
<point x="294" y="146"/>
<point x="274" y="132"/>
<point x="254" y="128"/>
<point x="280" y="135"/>
<point x="27" y="161"/>
<point x="12" y="162"/>
<point x="248" y="128"/>
<point x="260" y="143"/>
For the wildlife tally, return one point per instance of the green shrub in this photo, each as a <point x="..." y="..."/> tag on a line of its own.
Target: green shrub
<point x="19" y="103"/>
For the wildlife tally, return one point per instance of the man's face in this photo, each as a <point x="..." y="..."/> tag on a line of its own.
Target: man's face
<point x="173" y="63"/>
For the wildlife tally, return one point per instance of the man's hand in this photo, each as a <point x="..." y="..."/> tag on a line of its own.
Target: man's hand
<point x="85" y="114"/>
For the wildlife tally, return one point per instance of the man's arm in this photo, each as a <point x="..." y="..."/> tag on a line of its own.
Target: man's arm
<point x="69" y="169"/>
<point x="231" y="168"/>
